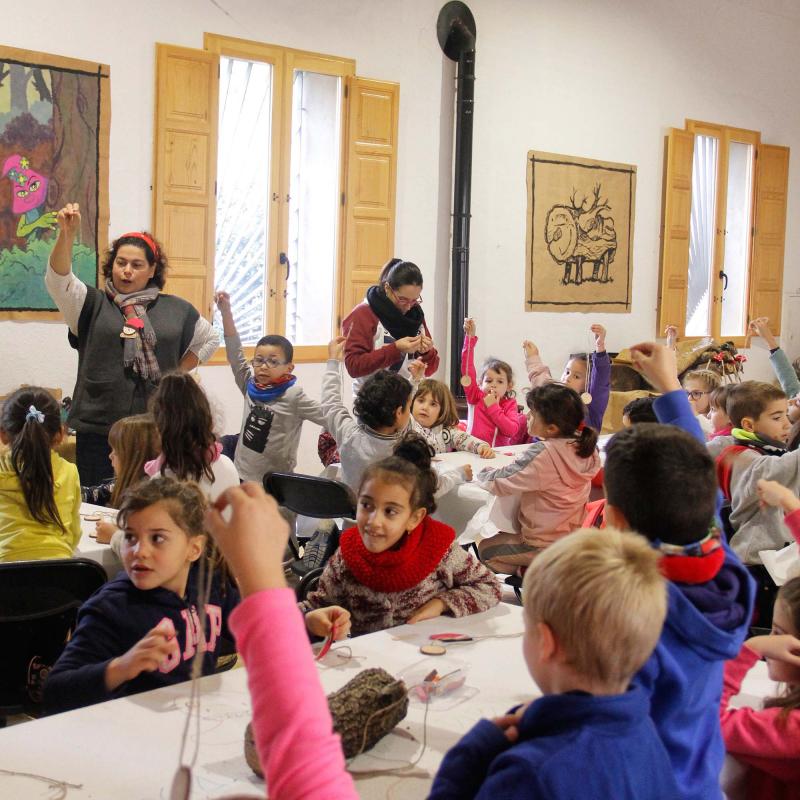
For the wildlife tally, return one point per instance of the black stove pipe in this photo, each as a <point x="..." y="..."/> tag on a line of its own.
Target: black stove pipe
<point x="456" y="33"/>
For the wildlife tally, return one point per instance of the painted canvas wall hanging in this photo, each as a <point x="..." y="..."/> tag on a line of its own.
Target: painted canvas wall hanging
<point x="580" y="234"/>
<point x="54" y="133"/>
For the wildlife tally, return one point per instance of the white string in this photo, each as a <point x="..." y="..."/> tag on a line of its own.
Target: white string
<point x="60" y="786"/>
<point x="205" y="580"/>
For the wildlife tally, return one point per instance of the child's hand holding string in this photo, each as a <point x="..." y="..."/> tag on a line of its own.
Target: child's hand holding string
<point x="146" y="655"/>
<point x="321" y="621"/>
<point x="490" y="398"/>
<point x="417" y="369"/>
<point x="658" y="365"/>
<point x="485" y="451"/>
<point x="470" y="327"/>
<point x="760" y="327"/>
<point x="772" y="493"/>
<point x="671" y="332"/>
<point x="599" y="333"/>
<point x="530" y="349"/>
<point x="223" y="301"/>
<point x="509" y="723"/>
<point x="253" y="539"/>
<point x="336" y="348"/>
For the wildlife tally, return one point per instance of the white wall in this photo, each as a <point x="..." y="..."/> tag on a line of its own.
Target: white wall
<point x="595" y="78"/>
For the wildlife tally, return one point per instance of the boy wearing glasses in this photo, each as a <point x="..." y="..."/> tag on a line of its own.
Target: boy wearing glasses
<point x="274" y="406"/>
<point x="698" y="384"/>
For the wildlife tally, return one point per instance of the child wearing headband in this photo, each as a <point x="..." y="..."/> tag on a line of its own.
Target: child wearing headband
<point x="40" y="493"/>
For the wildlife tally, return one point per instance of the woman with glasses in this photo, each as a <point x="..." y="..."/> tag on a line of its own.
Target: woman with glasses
<point x="387" y="330"/>
<point x="126" y="335"/>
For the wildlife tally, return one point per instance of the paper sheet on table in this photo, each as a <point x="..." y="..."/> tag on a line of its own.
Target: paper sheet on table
<point x="782" y="565"/>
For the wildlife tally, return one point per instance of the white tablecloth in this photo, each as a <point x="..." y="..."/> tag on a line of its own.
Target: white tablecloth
<point x="128" y="748"/>
<point x="88" y="547"/>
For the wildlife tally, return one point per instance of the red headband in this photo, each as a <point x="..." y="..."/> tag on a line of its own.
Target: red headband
<point x="145" y="238"/>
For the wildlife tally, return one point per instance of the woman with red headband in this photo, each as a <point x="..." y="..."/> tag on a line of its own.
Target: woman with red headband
<point x="126" y="335"/>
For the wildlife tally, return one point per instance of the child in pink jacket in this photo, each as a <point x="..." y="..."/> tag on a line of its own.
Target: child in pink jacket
<point x="493" y="413"/>
<point x="553" y="478"/>
<point x="767" y="740"/>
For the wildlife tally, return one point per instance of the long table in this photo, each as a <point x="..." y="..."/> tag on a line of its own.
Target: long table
<point x="89" y="547"/>
<point x="128" y="748"/>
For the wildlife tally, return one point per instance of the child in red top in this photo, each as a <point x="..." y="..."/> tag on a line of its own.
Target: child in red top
<point x="767" y="740"/>
<point x="493" y="413"/>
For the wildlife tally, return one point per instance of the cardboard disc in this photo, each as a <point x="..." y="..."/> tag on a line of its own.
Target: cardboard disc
<point x="586" y="398"/>
<point x="432" y="650"/>
<point x="465" y="380"/>
<point x="92" y="517"/>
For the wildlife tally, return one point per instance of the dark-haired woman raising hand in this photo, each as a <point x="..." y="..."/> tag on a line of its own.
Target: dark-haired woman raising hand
<point x="126" y="335"/>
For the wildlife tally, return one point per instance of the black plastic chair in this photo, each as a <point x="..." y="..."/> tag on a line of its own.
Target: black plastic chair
<point x="309" y="582"/>
<point x="39" y="602"/>
<point x="311" y="495"/>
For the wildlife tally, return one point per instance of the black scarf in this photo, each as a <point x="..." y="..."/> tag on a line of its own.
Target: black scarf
<point x="391" y="317"/>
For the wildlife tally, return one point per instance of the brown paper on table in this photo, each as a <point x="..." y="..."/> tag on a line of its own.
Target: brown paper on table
<point x="579" y="254"/>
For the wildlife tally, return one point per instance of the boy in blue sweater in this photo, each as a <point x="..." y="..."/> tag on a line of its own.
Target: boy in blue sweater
<point x="660" y="481"/>
<point x="594" y="603"/>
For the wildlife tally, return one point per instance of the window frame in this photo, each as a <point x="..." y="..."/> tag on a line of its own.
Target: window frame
<point x="764" y="276"/>
<point x="284" y="61"/>
<point x="725" y="135"/>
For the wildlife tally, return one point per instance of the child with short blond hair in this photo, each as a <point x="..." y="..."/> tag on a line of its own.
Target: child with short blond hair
<point x="594" y="604"/>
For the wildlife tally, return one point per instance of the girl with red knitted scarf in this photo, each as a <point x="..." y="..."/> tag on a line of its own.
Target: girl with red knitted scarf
<point x="397" y="565"/>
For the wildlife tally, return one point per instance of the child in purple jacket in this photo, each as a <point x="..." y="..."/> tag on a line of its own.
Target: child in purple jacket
<point x="584" y="373"/>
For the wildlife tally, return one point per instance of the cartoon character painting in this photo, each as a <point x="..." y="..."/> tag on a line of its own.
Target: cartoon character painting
<point x="29" y="194"/>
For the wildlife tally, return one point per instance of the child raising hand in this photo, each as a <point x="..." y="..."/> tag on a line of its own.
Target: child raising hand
<point x="588" y="375"/>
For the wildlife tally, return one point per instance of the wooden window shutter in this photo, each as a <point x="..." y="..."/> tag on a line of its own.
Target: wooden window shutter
<point x="677" y="197"/>
<point x="370" y="182"/>
<point x="766" y="273"/>
<point x="185" y="169"/>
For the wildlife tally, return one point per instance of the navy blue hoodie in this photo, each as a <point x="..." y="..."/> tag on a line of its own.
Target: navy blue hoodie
<point x="571" y="746"/>
<point x="705" y="626"/>
<point x="117" y="616"/>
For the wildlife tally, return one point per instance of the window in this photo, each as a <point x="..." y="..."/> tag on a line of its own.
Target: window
<point x="275" y="181"/>
<point x="723" y="231"/>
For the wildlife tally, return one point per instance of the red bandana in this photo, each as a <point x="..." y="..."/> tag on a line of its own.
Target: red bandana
<point x="401" y="569"/>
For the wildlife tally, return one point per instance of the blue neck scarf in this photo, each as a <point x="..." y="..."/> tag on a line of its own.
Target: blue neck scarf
<point x="266" y="394"/>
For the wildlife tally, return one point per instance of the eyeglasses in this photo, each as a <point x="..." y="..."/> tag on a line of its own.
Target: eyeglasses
<point x="695" y="394"/>
<point x="270" y="362"/>
<point x="405" y="302"/>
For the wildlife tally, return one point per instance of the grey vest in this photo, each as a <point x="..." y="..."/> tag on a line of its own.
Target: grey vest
<point x="105" y="391"/>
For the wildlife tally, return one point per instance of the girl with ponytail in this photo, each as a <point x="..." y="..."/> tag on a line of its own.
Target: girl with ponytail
<point x="553" y="478"/>
<point x="40" y="493"/>
<point x="397" y="565"/>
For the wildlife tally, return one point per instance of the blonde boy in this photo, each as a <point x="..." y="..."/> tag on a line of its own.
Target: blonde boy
<point x="595" y="603"/>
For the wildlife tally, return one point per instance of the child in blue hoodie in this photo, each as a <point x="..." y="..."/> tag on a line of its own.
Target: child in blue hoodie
<point x="661" y="482"/>
<point x="594" y="603"/>
<point x="141" y="630"/>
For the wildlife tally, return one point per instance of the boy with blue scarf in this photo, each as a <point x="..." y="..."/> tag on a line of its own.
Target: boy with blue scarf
<point x="274" y="405"/>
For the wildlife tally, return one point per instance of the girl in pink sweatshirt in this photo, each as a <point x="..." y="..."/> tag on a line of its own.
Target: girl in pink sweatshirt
<point x="767" y="740"/>
<point x="553" y="478"/>
<point x="493" y="413"/>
